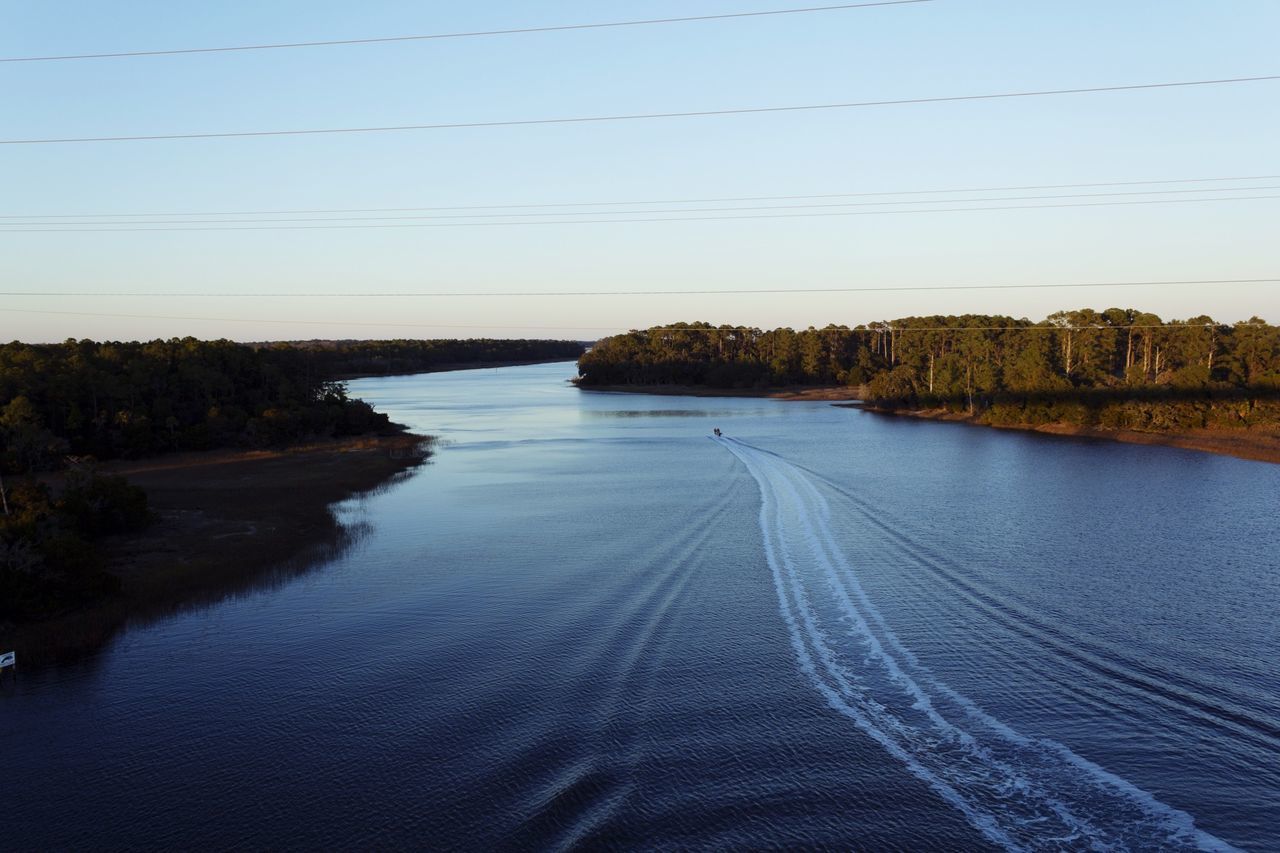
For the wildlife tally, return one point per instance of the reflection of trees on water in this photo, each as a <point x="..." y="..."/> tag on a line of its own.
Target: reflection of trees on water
<point x="78" y="639"/>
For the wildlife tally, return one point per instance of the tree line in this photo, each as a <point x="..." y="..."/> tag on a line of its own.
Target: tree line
<point x="1119" y="368"/>
<point x="350" y="358"/>
<point x="132" y="399"/>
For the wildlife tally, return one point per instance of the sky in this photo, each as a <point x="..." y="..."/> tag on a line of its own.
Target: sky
<point x="242" y="281"/>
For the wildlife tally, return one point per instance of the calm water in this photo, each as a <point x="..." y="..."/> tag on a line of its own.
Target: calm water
<point x="588" y="624"/>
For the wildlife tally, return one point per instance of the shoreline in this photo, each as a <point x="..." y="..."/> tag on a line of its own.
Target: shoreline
<point x="226" y="521"/>
<point x="791" y="393"/>
<point x="1257" y="445"/>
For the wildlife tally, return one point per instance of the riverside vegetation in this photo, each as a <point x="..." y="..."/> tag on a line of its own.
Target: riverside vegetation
<point x="1118" y="369"/>
<point x="64" y="408"/>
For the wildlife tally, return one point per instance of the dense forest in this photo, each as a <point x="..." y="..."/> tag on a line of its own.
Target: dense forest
<point x="346" y="359"/>
<point x="133" y="399"/>
<point x="1118" y="368"/>
<point x="63" y="406"/>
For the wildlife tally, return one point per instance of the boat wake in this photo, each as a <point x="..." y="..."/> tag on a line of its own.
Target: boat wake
<point x="1022" y="793"/>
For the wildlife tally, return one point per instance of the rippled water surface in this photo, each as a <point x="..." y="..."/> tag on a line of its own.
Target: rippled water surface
<point x="588" y="623"/>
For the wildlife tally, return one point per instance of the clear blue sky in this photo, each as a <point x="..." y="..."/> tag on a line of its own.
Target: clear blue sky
<point x="940" y="48"/>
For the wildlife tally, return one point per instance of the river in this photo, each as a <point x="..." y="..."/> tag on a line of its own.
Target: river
<point x="590" y="623"/>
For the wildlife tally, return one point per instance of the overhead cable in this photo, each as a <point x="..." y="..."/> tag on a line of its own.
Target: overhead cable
<point x="638" y="116"/>
<point x="80" y="294"/>
<point x="874" y="327"/>
<point x="262" y="320"/>
<point x="116" y="228"/>
<point x="739" y="208"/>
<point x="545" y="205"/>
<point x="461" y="35"/>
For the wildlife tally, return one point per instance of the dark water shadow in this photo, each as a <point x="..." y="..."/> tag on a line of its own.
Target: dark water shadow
<point x="80" y="639"/>
<point x="657" y="413"/>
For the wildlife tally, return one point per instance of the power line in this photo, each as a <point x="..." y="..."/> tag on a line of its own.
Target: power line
<point x="545" y="205"/>
<point x="639" y="116"/>
<point x="656" y="201"/>
<point x="870" y="328"/>
<point x="642" y="212"/>
<point x="261" y="320"/>
<point x="473" y="34"/>
<point x="111" y="228"/>
<point x="681" y="292"/>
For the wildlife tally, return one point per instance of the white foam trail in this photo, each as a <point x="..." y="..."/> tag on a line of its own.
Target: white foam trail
<point x="1019" y="792"/>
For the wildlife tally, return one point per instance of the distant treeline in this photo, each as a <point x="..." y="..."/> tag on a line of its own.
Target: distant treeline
<point x="344" y="359"/>
<point x="133" y="399"/>
<point x="1114" y="369"/>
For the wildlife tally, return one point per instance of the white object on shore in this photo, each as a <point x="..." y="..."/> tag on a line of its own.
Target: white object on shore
<point x="8" y="659"/>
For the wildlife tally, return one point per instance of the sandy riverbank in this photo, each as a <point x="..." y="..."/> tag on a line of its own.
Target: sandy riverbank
<point x="225" y="521"/>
